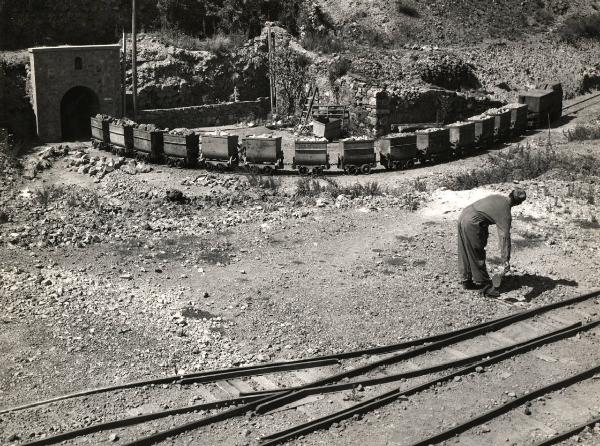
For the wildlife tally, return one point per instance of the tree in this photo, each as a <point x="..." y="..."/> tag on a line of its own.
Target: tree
<point x="291" y="71"/>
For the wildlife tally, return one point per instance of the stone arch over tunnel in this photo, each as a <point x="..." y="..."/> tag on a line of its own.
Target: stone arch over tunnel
<point x="76" y="107"/>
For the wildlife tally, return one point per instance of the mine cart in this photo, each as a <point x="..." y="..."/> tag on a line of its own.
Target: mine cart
<point x="310" y="156"/>
<point x="262" y="153"/>
<point x="501" y="123"/>
<point x="100" y="133"/>
<point x="181" y="150"/>
<point x="219" y="152"/>
<point x="518" y="118"/>
<point x="543" y="106"/>
<point x="398" y="151"/>
<point x="462" y="137"/>
<point x="327" y="128"/>
<point x="357" y="156"/>
<point x="433" y="144"/>
<point x="148" y="145"/>
<point x="121" y="139"/>
<point x="484" y="130"/>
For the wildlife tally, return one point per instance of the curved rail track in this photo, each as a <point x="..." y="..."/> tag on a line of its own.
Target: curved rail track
<point x="291" y="399"/>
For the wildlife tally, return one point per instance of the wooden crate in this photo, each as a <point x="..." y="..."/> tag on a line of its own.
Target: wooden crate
<point x="327" y="128"/>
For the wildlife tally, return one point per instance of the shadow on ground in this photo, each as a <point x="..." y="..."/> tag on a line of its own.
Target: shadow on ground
<point x="538" y="284"/>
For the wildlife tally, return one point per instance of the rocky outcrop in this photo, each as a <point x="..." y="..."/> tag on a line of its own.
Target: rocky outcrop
<point x="176" y="77"/>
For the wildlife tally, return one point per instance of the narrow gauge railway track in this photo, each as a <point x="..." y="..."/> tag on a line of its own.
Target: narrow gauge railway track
<point x="417" y="365"/>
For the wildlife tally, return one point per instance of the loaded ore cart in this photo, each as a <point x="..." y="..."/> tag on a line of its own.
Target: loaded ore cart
<point x="398" y="151"/>
<point x="484" y="131"/>
<point x="433" y="145"/>
<point x="100" y="132"/>
<point x="462" y="137"/>
<point x="262" y="153"/>
<point x="121" y="138"/>
<point x="219" y="151"/>
<point x="518" y="118"/>
<point x="181" y="150"/>
<point x="357" y="156"/>
<point x="501" y="123"/>
<point x="148" y="144"/>
<point x="310" y="156"/>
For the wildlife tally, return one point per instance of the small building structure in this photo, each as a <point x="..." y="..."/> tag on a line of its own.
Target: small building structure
<point x="71" y="83"/>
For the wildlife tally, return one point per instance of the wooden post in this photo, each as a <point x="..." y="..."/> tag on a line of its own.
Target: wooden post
<point x="124" y="76"/>
<point x="134" y="57"/>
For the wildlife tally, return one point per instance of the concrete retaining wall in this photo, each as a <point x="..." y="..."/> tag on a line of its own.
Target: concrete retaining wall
<point x="206" y="115"/>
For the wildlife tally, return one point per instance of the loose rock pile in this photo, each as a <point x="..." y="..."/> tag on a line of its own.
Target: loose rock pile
<point x="96" y="166"/>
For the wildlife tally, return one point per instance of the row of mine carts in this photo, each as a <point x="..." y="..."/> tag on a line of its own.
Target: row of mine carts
<point x="211" y="151"/>
<point x="264" y="153"/>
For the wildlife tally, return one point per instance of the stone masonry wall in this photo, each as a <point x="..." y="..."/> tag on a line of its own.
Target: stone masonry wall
<point x="374" y="109"/>
<point x="206" y="115"/>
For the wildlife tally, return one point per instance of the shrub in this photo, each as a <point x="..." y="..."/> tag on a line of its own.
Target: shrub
<point x="406" y="8"/>
<point x="544" y="17"/>
<point x="337" y="69"/>
<point x="522" y="163"/>
<point x="584" y="132"/>
<point x="291" y="71"/>
<point x="322" y="42"/>
<point x="578" y="27"/>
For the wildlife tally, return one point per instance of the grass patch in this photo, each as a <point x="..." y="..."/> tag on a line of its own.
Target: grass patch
<point x="523" y="163"/>
<point x="218" y="44"/>
<point x="584" y="132"/>
<point x="310" y="187"/>
<point x="262" y="182"/>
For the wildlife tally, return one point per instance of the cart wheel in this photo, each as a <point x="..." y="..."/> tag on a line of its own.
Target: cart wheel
<point x="365" y="169"/>
<point x="303" y="170"/>
<point x="353" y="170"/>
<point x="267" y="170"/>
<point x="221" y="167"/>
<point x="317" y="171"/>
<point x="409" y="164"/>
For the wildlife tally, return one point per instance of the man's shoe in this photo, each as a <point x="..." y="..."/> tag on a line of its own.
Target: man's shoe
<point x="490" y="291"/>
<point x="470" y="285"/>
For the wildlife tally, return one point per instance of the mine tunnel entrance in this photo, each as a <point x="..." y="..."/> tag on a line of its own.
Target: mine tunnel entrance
<point x="76" y="107"/>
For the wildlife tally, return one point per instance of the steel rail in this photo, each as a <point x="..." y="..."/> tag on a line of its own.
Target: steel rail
<point x="248" y="397"/>
<point x="163" y="435"/>
<point x="124" y="422"/>
<point x="388" y="397"/>
<point x="257" y="368"/>
<point x="343" y="355"/>
<point x="214" y="374"/>
<point x="252" y="406"/>
<point x="288" y="397"/>
<point x="508" y="406"/>
<point x="580" y="102"/>
<point x="567" y="434"/>
<point x="409" y="374"/>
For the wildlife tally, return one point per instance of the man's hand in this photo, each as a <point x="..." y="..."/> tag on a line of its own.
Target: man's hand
<point x="506" y="267"/>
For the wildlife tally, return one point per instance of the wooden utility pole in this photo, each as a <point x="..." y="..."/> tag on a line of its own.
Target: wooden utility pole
<point x="124" y="76"/>
<point x="271" y="77"/>
<point x="134" y="57"/>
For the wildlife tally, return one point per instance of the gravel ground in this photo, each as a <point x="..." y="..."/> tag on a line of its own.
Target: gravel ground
<point x="105" y="280"/>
